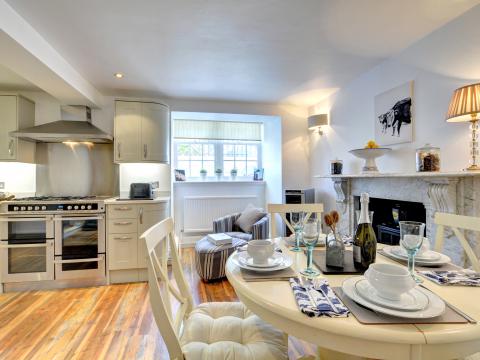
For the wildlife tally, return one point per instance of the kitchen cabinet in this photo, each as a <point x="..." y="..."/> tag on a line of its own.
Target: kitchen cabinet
<point x="126" y="252"/>
<point x="16" y="112"/>
<point x="142" y="132"/>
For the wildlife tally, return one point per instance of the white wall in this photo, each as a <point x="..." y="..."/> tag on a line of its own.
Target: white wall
<point x="438" y="64"/>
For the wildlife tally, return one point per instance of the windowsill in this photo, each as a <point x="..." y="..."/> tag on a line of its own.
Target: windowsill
<point x="222" y="181"/>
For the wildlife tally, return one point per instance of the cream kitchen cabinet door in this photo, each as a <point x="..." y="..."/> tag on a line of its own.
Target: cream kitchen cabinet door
<point x="16" y="112"/>
<point x="155" y="133"/>
<point x="149" y="216"/>
<point x="122" y="250"/>
<point x="127" y="125"/>
<point x="142" y="132"/>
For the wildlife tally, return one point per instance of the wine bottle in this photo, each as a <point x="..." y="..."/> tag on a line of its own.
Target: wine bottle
<point x="365" y="241"/>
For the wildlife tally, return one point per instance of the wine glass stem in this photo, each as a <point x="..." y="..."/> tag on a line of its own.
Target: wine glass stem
<point x="411" y="264"/>
<point x="309" y="257"/>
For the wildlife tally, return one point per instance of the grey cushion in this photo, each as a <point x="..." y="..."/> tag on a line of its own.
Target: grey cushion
<point x="248" y="217"/>
<point x="240" y="235"/>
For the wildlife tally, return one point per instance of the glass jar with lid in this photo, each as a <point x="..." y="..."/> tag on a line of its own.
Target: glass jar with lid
<point x="336" y="167"/>
<point x="428" y="158"/>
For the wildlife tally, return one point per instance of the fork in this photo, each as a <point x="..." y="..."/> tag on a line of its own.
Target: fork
<point x="316" y="286"/>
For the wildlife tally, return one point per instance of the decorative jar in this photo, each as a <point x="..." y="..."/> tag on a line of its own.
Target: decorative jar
<point x="428" y="158"/>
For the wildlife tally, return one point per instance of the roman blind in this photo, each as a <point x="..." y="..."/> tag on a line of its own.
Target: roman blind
<point x="217" y="130"/>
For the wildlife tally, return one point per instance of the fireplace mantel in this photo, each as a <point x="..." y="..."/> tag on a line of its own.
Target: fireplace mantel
<point x="451" y="192"/>
<point x="437" y="174"/>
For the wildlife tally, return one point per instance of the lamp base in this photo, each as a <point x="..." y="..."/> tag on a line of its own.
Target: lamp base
<point x="473" y="168"/>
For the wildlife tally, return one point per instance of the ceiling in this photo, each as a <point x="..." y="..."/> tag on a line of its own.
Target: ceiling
<point x="10" y="81"/>
<point x="250" y="50"/>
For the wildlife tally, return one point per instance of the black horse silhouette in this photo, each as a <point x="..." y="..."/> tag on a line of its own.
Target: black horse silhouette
<point x="399" y="113"/>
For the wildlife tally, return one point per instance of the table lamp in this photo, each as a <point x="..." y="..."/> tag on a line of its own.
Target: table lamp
<point x="465" y="106"/>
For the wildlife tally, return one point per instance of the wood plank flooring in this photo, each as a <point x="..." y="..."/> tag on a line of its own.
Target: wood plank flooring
<point x="108" y="322"/>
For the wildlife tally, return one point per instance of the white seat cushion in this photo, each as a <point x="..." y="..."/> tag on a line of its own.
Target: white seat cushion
<point x="225" y="330"/>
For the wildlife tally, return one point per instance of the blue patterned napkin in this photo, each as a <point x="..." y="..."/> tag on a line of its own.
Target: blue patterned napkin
<point x="327" y="303"/>
<point x="464" y="278"/>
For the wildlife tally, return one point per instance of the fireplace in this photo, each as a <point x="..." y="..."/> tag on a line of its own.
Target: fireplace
<point x="387" y="214"/>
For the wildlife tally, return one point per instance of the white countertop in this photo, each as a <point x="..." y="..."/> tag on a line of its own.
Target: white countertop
<point x="159" y="199"/>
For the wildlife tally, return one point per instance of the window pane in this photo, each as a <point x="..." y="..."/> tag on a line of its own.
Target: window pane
<point x="196" y="166"/>
<point x="252" y="153"/>
<point x="227" y="167"/>
<point x="241" y="168"/>
<point x="196" y="151"/>
<point x="210" y="167"/>
<point x="240" y="150"/>
<point x="251" y="166"/>
<point x="228" y="152"/>
<point x="183" y="151"/>
<point x="208" y="152"/>
<point x="184" y="165"/>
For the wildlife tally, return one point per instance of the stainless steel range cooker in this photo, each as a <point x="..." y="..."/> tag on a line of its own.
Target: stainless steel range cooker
<point x="52" y="239"/>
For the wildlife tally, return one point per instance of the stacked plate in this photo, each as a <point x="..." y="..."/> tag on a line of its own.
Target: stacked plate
<point x="277" y="261"/>
<point x="427" y="258"/>
<point x="417" y="303"/>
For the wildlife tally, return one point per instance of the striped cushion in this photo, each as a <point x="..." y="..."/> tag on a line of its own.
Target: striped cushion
<point x="210" y="259"/>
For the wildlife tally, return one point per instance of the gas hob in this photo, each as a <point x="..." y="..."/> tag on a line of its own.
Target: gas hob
<point x="54" y="205"/>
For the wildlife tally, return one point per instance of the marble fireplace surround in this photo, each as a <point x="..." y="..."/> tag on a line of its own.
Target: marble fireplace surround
<point x="452" y="192"/>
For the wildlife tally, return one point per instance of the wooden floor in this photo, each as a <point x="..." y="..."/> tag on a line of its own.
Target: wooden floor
<point x="108" y="322"/>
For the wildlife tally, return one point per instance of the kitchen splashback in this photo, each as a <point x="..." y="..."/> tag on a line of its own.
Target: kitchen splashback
<point x="76" y="169"/>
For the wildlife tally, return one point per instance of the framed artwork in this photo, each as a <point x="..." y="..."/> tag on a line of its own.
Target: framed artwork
<point x="180" y="175"/>
<point x="394" y="115"/>
<point x="258" y="175"/>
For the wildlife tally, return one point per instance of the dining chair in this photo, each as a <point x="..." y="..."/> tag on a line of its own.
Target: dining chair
<point x="283" y="209"/>
<point x="457" y="223"/>
<point x="214" y="330"/>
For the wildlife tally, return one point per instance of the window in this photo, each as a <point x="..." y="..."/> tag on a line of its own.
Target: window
<point x="210" y="145"/>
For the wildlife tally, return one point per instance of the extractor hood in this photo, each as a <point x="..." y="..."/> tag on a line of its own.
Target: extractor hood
<point x="75" y="126"/>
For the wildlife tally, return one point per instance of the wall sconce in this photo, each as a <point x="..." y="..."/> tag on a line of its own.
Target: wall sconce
<point x="315" y="122"/>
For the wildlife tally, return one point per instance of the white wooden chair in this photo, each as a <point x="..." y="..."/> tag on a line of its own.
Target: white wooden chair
<point x="217" y="330"/>
<point x="283" y="209"/>
<point x="456" y="223"/>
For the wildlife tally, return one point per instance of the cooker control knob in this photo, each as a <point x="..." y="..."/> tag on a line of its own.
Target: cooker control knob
<point x="76" y="207"/>
<point x="44" y="207"/>
<point x="69" y="207"/>
<point x="29" y="208"/>
<point x="82" y="207"/>
<point x="89" y="207"/>
<point x="37" y="207"/>
<point x="15" y="208"/>
<point x="22" y="208"/>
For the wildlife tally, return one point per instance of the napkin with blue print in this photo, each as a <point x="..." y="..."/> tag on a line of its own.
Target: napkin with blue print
<point x="318" y="299"/>
<point x="463" y="278"/>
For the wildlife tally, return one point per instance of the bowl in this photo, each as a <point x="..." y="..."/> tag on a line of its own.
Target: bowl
<point x="390" y="281"/>
<point x="260" y="250"/>
<point x="369" y="155"/>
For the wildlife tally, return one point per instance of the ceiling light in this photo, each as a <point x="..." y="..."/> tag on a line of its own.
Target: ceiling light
<point x="118" y="75"/>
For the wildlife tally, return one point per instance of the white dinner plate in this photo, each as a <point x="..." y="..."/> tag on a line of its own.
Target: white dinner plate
<point x="272" y="261"/>
<point x="286" y="262"/>
<point x="444" y="259"/>
<point x="426" y="256"/>
<point x="410" y="301"/>
<point x="435" y="307"/>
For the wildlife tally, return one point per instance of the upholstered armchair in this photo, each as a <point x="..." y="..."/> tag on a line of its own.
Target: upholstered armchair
<point x="226" y="224"/>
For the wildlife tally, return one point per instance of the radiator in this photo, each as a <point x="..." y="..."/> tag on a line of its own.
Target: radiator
<point x="200" y="211"/>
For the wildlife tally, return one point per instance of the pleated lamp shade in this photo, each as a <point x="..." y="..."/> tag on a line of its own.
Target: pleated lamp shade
<point x="465" y="104"/>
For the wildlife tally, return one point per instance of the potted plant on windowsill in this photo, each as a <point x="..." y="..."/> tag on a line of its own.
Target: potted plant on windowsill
<point x="218" y="173"/>
<point x="203" y="174"/>
<point x="233" y="173"/>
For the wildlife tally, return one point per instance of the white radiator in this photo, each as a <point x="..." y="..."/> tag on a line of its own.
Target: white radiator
<point x="200" y="211"/>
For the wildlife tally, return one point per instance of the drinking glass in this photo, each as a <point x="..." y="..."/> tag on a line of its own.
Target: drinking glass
<point x="296" y="219"/>
<point x="411" y="239"/>
<point x="310" y="239"/>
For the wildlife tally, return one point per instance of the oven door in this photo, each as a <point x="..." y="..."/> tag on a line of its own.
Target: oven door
<point x="80" y="247"/>
<point x="26" y="248"/>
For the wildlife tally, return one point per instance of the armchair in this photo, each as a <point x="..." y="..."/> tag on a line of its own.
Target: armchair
<point x="226" y="224"/>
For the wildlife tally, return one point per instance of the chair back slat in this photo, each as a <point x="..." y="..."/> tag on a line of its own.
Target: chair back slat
<point x="283" y="209"/>
<point x="165" y="290"/>
<point x="457" y="222"/>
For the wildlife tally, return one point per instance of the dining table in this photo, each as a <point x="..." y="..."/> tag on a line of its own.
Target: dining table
<point x="347" y="338"/>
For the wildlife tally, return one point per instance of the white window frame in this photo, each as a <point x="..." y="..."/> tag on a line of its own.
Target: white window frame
<point x="218" y="148"/>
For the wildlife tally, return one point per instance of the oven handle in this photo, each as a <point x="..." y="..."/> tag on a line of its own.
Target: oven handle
<point x="79" y="218"/>
<point x="15" y="219"/>
<point x="74" y="261"/>
<point x="26" y="245"/>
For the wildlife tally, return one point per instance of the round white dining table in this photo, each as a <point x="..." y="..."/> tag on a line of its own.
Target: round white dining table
<point x="273" y="301"/>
